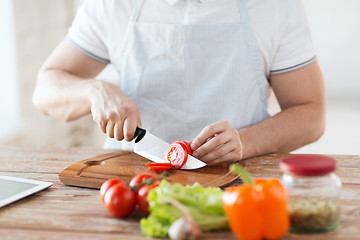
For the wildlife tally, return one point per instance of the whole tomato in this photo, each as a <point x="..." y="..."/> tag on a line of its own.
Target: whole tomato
<point x="109" y="183"/>
<point x="137" y="181"/>
<point x="141" y="196"/>
<point x="120" y="200"/>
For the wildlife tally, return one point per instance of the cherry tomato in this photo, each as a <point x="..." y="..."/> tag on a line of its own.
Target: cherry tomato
<point x="177" y="154"/>
<point x="159" y="167"/>
<point x="120" y="200"/>
<point x="137" y="181"/>
<point x="141" y="196"/>
<point x="187" y="145"/>
<point x="109" y="183"/>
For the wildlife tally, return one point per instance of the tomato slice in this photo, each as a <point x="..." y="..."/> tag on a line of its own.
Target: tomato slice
<point x="187" y="145"/>
<point x="177" y="154"/>
<point x="159" y="167"/>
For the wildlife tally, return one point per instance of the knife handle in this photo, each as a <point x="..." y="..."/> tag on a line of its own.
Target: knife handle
<point x="139" y="134"/>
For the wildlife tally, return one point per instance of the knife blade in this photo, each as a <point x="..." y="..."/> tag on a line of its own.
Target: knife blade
<point x="153" y="148"/>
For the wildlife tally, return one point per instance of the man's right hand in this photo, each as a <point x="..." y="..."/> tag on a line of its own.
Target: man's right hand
<point x="115" y="113"/>
<point x="67" y="90"/>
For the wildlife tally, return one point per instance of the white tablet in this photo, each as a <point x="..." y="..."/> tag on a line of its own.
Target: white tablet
<point x="13" y="189"/>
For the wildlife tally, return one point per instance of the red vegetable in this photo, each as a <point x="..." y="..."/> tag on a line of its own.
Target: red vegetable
<point x="177" y="154"/>
<point x="141" y="196"/>
<point x="120" y="200"/>
<point x="159" y="167"/>
<point x="187" y="145"/>
<point x="109" y="183"/>
<point x="138" y="180"/>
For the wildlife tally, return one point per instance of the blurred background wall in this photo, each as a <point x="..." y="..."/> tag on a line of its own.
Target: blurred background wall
<point x="31" y="29"/>
<point x="335" y="28"/>
<point x="29" y="32"/>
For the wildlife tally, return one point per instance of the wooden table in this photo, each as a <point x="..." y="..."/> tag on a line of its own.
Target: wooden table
<point x="64" y="212"/>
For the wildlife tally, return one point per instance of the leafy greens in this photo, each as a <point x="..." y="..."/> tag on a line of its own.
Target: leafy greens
<point x="204" y="204"/>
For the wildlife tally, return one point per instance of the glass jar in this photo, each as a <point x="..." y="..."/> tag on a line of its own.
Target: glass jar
<point x="313" y="192"/>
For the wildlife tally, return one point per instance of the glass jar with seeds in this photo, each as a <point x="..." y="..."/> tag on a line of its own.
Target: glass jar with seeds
<point x="313" y="191"/>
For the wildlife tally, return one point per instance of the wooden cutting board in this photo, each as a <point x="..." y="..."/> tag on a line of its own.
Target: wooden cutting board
<point x="125" y="165"/>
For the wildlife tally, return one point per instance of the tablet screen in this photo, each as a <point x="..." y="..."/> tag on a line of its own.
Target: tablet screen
<point x="13" y="189"/>
<point x="10" y="188"/>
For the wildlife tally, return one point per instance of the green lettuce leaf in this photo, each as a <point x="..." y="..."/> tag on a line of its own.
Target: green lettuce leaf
<point x="204" y="204"/>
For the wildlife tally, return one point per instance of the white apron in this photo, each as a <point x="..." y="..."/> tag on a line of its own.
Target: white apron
<point x="185" y="77"/>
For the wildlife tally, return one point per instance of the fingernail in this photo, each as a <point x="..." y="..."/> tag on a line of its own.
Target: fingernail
<point x="193" y="146"/>
<point x="195" y="154"/>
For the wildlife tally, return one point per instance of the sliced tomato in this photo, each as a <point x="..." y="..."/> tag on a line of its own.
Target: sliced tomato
<point x="177" y="154"/>
<point x="187" y="145"/>
<point x="159" y="167"/>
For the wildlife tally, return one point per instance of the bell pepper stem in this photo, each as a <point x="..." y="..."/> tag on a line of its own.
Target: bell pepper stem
<point x="243" y="174"/>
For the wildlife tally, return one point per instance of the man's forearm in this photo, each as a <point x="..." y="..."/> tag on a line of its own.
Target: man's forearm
<point x="62" y="95"/>
<point x="284" y="132"/>
<point x="65" y="81"/>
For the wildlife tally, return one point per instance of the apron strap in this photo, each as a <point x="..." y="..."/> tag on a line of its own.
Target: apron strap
<point x="136" y="11"/>
<point x="243" y="12"/>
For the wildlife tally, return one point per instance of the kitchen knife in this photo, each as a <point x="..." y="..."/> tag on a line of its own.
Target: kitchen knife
<point x="153" y="148"/>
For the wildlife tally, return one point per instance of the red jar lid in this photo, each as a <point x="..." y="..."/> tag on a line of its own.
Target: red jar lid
<point x="308" y="165"/>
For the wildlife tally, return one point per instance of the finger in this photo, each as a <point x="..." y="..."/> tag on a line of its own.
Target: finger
<point x="130" y="124"/>
<point x="229" y="157"/>
<point x="211" y="145"/>
<point x="208" y="132"/>
<point x="100" y="122"/>
<point x="118" y="131"/>
<point x="102" y="125"/>
<point x="138" y="119"/>
<point x="110" y="128"/>
<point x="236" y="154"/>
<point x="218" y="152"/>
<point x="199" y="140"/>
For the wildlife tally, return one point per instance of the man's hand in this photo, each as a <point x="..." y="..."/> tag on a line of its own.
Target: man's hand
<point x="115" y="113"/>
<point x="301" y="96"/>
<point x="67" y="90"/>
<point x="218" y="142"/>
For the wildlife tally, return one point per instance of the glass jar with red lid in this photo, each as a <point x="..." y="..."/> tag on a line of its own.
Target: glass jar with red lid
<point x="314" y="192"/>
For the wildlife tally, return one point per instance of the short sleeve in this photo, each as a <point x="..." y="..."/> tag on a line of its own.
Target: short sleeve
<point x="295" y="47"/>
<point x="90" y="29"/>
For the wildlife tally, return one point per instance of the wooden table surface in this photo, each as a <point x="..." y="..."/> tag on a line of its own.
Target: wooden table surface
<point x="64" y="212"/>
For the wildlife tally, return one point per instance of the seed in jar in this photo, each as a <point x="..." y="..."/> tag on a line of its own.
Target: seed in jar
<point x="313" y="214"/>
